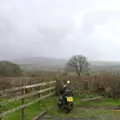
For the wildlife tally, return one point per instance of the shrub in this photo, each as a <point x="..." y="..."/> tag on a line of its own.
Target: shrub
<point x="9" y="69"/>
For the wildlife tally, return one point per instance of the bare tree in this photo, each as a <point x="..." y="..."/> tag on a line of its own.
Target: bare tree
<point x="78" y="63"/>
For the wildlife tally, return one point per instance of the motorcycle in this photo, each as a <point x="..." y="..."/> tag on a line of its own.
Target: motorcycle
<point x="66" y="101"/>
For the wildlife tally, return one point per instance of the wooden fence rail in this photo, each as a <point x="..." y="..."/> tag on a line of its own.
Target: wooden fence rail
<point x="27" y="95"/>
<point x="50" y="89"/>
<point x="27" y="87"/>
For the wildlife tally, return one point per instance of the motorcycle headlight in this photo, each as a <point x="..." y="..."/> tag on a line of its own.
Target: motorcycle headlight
<point x="68" y="82"/>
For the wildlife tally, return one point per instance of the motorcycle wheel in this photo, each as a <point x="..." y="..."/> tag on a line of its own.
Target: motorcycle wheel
<point x="59" y="107"/>
<point x="69" y="107"/>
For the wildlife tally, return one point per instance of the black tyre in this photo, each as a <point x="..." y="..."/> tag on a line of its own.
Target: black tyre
<point x="59" y="107"/>
<point x="69" y="107"/>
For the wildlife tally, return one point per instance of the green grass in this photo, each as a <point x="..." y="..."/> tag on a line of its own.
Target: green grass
<point x="31" y="111"/>
<point x="87" y="110"/>
<point x="82" y="109"/>
<point x="104" y="103"/>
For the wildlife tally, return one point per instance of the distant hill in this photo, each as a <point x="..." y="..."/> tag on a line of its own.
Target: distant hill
<point x="41" y="63"/>
<point x="51" y="64"/>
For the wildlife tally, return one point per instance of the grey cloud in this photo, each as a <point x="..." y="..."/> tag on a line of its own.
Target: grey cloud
<point x="41" y="28"/>
<point x="96" y="48"/>
<point x="97" y="18"/>
<point x="38" y="28"/>
<point x="5" y="26"/>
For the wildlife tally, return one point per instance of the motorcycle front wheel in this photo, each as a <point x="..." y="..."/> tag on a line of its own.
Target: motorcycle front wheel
<point x="69" y="107"/>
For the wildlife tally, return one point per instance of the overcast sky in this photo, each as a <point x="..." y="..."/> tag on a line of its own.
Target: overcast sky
<point x="60" y="28"/>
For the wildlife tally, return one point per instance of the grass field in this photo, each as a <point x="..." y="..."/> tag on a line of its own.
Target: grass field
<point x="81" y="109"/>
<point x="92" y="109"/>
<point x="31" y="111"/>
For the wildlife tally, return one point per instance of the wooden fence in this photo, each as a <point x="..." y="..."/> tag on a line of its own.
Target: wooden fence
<point x="41" y="90"/>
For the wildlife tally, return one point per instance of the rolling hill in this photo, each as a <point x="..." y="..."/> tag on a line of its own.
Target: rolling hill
<point x="41" y="63"/>
<point x="51" y="64"/>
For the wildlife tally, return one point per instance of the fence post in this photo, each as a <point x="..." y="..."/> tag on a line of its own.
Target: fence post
<point x="39" y="95"/>
<point x="22" y="111"/>
<point x="0" y="110"/>
<point x="22" y="114"/>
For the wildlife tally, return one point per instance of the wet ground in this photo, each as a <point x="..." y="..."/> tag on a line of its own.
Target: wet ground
<point x="102" y="117"/>
<point x="84" y="114"/>
<point x="51" y="117"/>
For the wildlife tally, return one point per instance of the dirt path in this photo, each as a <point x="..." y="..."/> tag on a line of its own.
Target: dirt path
<point x="51" y="117"/>
<point x="84" y="114"/>
<point x="102" y="117"/>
